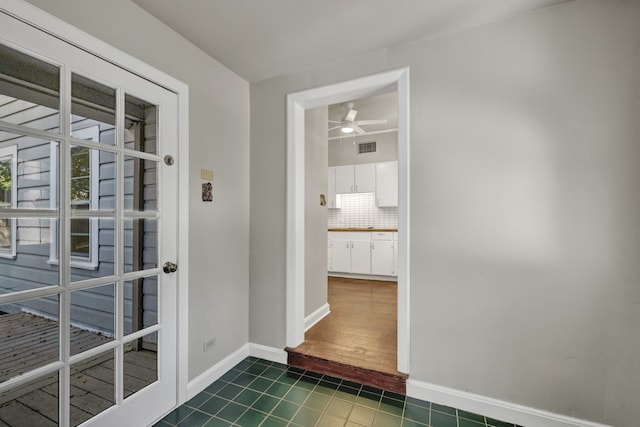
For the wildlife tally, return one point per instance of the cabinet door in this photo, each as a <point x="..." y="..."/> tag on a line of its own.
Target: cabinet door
<point x="331" y="188"/>
<point x="344" y="179"/>
<point x="382" y="257"/>
<point x="365" y="178"/>
<point x="361" y="256"/>
<point x="387" y="184"/>
<point x="341" y="256"/>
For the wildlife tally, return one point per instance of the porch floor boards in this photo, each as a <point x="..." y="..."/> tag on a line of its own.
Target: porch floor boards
<point x="28" y="341"/>
<point x="358" y="339"/>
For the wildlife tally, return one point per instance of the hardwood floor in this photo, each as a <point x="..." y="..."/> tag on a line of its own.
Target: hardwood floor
<point x="359" y="337"/>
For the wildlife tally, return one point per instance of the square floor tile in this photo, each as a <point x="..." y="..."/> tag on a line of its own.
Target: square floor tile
<point x="213" y="405"/>
<point x="463" y="422"/>
<point x="444" y="409"/>
<point x="307" y="417"/>
<point x="386" y="420"/>
<point x="317" y="401"/>
<point x="251" y="418"/>
<point x="285" y="410"/>
<point x="247" y="397"/>
<point x="297" y="395"/>
<point x="230" y="391"/>
<point x="177" y="415"/>
<point x="217" y="422"/>
<point x="278" y="389"/>
<point x="265" y="403"/>
<point x="273" y="422"/>
<point x="260" y="384"/>
<point x="195" y="419"/>
<point x="438" y="419"/>
<point x="362" y="415"/>
<point x="416" y="413"/>
<point x="328" y="420"/>
<point x="339" y="408"/>
<point x="231" y="412"/>
<point x="471" y="416"/>
<point x="198" y="400"/>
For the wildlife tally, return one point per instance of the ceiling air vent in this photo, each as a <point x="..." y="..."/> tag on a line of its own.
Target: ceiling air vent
<point x="367" y="147"/>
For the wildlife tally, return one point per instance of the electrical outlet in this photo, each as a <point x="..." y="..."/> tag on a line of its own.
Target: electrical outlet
<point x="208" y="344"/>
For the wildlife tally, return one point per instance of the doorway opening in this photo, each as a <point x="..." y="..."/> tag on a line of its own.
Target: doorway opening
<point x="297" y="103"/>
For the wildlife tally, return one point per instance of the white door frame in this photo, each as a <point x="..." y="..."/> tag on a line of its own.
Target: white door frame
<point x="72" y="35"/>
<point x="297" y="103"/>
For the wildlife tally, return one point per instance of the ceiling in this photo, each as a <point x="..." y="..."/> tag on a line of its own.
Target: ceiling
<point x="376" y="107"/>
<point x="260" y="39"/>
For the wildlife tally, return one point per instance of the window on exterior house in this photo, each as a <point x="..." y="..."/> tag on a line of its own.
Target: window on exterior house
<point x="84" y="190"/>
<point x="8" y="196"/>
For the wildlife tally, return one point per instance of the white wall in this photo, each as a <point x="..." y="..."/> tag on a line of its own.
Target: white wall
<point x="344" y="152"/>
<point x="219" y="140"/>
<point x="524" y="207"/>
<point x="315" y="218"/>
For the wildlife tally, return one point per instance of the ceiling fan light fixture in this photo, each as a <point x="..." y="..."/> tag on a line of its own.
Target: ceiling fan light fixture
<point x="346" y="129"/>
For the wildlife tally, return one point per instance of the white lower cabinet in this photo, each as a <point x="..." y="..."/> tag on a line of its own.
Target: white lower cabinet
<point x="361" y="256"/>
<point x="362" y="253"/>
<point x="341" y="255"/>
<point x="382" y="255"/>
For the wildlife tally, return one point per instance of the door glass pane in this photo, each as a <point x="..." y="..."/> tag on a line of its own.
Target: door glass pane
<point x="92" y="317"/>
<point x="140" y="185"/>
<point x="93" y="104"/>
<point x="140" y="244"/>
<point x="140" y="125"/>
<point x="140" y="363"/>
<point x="33" y="265"/>
<point x="29" y="335"/>
<point x="29" y="91"/>
<point x="92" y="247"/>
<point x="92" y="387"/>
<point x="140" y="304"/>
<point x="32" y="404"/>
<point x="93" y="174"/>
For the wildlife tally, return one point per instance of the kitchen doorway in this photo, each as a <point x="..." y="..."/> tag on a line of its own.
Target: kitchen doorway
<point x="297" y="103"/>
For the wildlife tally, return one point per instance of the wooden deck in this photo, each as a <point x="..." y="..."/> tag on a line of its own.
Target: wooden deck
<point x="358" y="340"/>
<point x="28" y="341"/>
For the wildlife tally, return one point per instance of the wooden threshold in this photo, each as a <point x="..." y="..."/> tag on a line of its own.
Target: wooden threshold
<point x="357" y="341"/>
<point x="396" y="383"/>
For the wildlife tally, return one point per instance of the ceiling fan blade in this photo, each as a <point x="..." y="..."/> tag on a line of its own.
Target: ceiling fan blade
<point x="335" y="121"/>
<point x="370" y="122"/>
<point x="351" y="115"/>
<point x="335" y="127"/>
<point x="358" y="129"/>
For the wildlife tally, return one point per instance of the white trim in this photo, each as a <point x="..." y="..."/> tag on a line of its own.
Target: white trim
<point x="77" y="37"/>
<point x="295" y="239"/>
<point x="364" y="276"/>
<point x="206" y="378"/>
<point x="316" y="316"/>
<point x="11" y="152"/>
<point x="494" y="408"/>
<point x="271" y="354"/>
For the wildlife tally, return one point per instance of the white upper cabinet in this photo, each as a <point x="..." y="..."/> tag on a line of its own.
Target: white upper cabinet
<point x="355" y="178"/>
<point x="386" y="175"/>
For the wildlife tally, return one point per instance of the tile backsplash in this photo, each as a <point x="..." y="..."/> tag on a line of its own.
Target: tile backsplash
<point x="360" y="210"/>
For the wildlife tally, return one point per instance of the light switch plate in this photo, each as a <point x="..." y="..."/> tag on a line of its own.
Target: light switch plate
<point x="206" y="174"/>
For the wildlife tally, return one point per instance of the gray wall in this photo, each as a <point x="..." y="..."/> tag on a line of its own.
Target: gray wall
<point x="524" y="173"/>
<point x="344" y="152"/>
<point x="219" y="140"/>
<point x="315" y="217"/>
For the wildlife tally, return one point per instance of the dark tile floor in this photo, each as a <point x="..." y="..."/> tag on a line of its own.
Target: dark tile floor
<point x="257" y="392"/>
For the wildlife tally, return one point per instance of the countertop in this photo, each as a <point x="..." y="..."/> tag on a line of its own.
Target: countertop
<point x="365" y="229"/>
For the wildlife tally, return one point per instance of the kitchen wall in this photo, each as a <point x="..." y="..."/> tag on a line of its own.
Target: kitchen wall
<point x="345" y="152"/>
<point x="525" y="241"/>
<point x="219" y="140"/>
<point x="359" y="210"/>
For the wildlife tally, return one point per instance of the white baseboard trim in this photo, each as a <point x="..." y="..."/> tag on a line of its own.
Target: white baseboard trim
<point x="203" y="380"/>
<point x="271" y="354"/>
<point x="316" y="316"/>
<point x="494" y="408"/>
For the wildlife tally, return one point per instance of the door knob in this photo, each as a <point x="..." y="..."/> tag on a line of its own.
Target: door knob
<point x="169" y="267"/>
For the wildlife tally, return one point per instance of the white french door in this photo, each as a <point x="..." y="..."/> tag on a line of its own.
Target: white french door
<point x="88" y="237"/>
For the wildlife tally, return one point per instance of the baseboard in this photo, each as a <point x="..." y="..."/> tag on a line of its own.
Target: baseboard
<point x="271" y="354"/>
<point x="316" y="316"/>
<point x="364" y="277"/>
<point x="203" y="380"/>
<point x="494" y="408"/>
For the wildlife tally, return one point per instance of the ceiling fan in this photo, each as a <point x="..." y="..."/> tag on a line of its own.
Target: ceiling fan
<point x="348" y="124"/>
